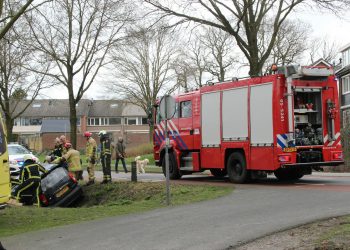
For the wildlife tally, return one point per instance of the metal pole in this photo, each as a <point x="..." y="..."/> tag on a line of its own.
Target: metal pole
<point x="167" y="156"/>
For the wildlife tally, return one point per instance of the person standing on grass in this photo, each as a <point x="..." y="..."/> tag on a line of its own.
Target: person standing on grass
<point x="120" y="150"/>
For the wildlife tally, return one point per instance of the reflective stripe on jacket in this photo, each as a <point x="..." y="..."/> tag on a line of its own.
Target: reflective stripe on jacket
<point x="106" y="148"/>
<point x="31" y="170"/>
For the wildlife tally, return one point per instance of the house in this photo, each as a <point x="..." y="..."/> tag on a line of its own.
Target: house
<point x="44" y="120"/>
<point x="343" y="75"/>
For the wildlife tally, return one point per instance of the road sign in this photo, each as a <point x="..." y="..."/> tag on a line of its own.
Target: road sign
<point x="167" y="107"/>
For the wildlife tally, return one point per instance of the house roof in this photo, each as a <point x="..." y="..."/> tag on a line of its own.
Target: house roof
<point x="133" y="110"/>
<point x="321" y="63"/>
<point x="55" y="126"/>
<point x="51" y="108"/>
<point x="106" y="108"/>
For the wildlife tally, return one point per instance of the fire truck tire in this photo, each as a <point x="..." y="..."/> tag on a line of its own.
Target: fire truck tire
<point x="174" y="172"/>
<point x="217" y="172"/>
<point x="236" y="168"/>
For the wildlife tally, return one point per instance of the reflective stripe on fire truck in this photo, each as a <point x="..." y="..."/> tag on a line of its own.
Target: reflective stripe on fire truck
<point x="173" y="131"/>
<point x="282" y="140"/>
<point x="328" y="143"/>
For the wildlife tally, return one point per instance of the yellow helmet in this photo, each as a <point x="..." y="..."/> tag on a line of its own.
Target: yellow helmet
<point x="27" y="157"/>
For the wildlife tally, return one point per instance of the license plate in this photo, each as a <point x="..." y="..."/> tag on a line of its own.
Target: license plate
<point x="61" y="192"/>
<point x="289" y="150"/>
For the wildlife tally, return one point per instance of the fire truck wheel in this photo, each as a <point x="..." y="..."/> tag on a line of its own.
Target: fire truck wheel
<point x="174" y="172"/>
<point x="218" y="172"/>
<point x="236" y="168"/>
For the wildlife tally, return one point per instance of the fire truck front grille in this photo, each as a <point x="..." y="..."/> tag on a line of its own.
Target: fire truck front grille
<point x="309" y="156"/>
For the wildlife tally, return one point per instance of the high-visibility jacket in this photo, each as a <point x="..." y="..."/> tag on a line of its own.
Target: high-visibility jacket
<point x="91" y="147"/>
<point x="31" y="170"/>
<point x="106" y="147"/>
<point x="73" y="159"/>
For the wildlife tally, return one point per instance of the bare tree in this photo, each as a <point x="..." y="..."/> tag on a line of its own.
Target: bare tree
<point x="197" y="55"/>
<point x="323" y="48"/>
<point x="8" y="18"/>
<point x="242" y="19"/>
<point x="76" y="35"/>
<point x="185" y="71"/>
<point x="220" y="56"/>
<point x="144" y="66"/>
<point x="17" y="83"/>
<point x="17" y="9"/>
<point x="291" y="43"/>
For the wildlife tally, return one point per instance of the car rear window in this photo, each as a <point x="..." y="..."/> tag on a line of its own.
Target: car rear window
<point x="54" y="180"/>
<point x="2" y="140"/>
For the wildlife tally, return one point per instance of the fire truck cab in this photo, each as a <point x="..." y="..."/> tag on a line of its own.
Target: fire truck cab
<point x="286" y="123"/>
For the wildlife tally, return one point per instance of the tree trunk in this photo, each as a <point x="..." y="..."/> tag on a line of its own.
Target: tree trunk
<point x="9" y="129"/>
<point x="73" y="122"/>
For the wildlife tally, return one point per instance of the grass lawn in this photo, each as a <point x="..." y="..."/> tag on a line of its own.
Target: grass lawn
<point x="118" y="198"/>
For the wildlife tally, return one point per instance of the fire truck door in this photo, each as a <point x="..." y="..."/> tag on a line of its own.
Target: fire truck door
<point x="186" y="131"/>
<point x="261" y="127"/>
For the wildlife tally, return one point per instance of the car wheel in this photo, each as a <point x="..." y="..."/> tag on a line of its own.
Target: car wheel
<point x="236" y="168"/>
<point x="217" y="172"/>
<point x="174" y="172"/>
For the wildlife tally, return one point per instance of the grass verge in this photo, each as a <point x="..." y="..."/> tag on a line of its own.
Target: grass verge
<point x="336" y="236"/>
<point x="118" y="198"/>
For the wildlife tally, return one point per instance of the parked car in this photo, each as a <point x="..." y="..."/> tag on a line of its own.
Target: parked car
<point x="16" y="153"/>
<point x="58" y="188"/>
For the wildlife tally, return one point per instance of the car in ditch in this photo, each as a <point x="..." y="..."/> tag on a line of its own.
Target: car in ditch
<point x="59" y="188"/>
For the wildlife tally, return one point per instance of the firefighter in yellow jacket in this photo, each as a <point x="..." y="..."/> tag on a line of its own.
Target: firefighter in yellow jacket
<point x="72" y="157"/>
<point x="106" y="155"/>
<point x="91" y="147"/>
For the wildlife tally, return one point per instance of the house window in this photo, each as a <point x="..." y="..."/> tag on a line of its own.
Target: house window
<point x="98" y="121"/>
<point x="345" y="81"/>
<point x="144" y="121"/>
<point x="131" y="120"/>
<point x="185" y="109"/>
<point x="346" y="58"/>
<point x="78" y="121"/>
<point x="36" y="105"/>
<point x="115" y="121"/>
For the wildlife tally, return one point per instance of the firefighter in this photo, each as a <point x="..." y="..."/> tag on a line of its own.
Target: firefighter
<point x="72" y="158"/>
<point x="63" y="141"/>
<point x="106" y="153"/>
<point x="91" y="147"/>
<point x="29" y="180"/>
<point x="57" y="151"/>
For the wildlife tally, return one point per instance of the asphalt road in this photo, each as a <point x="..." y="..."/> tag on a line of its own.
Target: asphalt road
<point x="251" y="211"/>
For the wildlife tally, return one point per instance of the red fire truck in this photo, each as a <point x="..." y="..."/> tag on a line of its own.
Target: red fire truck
<point x="286" y="123"/>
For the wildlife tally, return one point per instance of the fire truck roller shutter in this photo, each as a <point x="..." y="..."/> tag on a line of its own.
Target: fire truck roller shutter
<point x="261" y="123"/>
<point x="235" y="114"/>
<point x="211" y="119"/>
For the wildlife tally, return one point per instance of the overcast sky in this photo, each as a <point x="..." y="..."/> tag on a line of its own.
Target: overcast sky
<point x="323" y="25"/>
